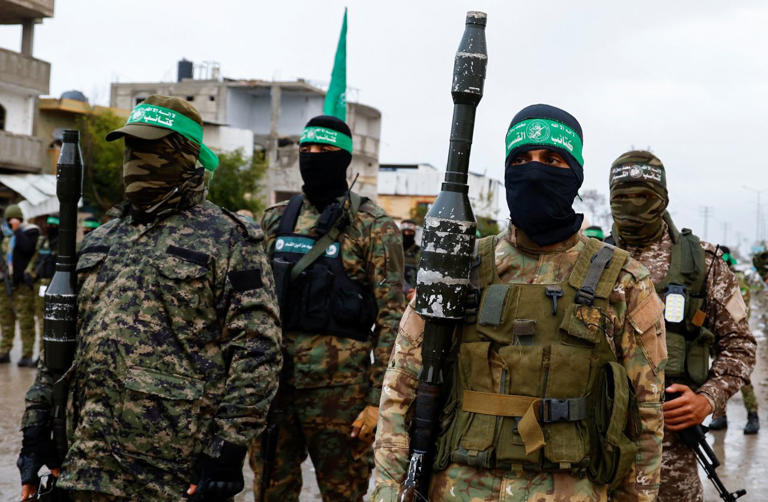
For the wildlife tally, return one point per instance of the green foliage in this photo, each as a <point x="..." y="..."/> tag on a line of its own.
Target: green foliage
<point x="487" y="226"/>
<point x="235" y="182"/>
<point x="103" y="177"/>
<point x="418" y="212"/>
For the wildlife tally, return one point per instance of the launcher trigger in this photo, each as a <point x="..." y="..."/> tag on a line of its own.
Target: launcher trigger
<point x="554" y="292"/>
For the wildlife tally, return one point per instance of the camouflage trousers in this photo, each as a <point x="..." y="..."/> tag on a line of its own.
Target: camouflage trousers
<point x="679" y="472"/>
<point x="750" y="399"/>
<point x="468" y="484"/>
<point x="318" y="422"/>
<point x="78" y="496"/>
<point x="23" y="303"/>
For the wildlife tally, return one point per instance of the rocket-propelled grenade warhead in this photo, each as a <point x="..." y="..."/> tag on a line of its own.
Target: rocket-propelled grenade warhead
<point x="448" y="239"/>
<point x="60" y="311"/>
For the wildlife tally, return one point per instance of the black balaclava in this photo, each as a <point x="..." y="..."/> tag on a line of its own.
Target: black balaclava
<point x="325" y="173"/>
<point x="539" y="196"/>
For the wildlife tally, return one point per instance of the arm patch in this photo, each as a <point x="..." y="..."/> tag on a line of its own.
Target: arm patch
<point x="246" y="280"/>
<point x="196" y="257"/>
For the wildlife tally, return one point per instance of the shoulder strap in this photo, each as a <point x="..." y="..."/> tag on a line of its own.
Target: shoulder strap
<point x="486" y="248"/>
<point x="687" y="264"/>
<point x="290" y="215"/>
<point x="326" y="240"/>
<point x="610" y="240"/>
<point x="596" y="271"/>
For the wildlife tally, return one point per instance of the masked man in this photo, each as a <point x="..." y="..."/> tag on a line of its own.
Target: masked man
<point x="412" y="254"/>
<point x="178" y="346"/>
<point x="704" y="313"/>
<point x="338" y="265"/>
<point x="565" y="344"/>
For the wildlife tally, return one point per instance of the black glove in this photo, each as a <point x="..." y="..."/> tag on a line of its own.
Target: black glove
<point x="219" y="478"/>
<point x="37" y="450"/>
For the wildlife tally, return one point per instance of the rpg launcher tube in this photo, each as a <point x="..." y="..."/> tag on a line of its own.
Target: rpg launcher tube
<point x="448" y="239"/>
<point x="447" y="244"/>
<point x="60" y="311"/>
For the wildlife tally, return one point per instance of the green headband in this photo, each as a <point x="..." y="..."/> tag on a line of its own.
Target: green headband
<point x="52" y="220"/>
<point x="546" y="133"/>
<point x="159" y="116"/>
<point x="594" y="232"/>
<point x="326" y="136"/>
<point x="91" y="224"/>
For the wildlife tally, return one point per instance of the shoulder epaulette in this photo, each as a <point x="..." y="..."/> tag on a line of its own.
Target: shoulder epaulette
<point x="251" y="230"/>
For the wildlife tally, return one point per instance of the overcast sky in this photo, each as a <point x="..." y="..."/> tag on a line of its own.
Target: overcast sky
<point x="688" y="79"/>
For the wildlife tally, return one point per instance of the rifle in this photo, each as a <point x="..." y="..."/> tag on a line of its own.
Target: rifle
<point x="694" y="438"/>
<point x="60" y="310"/>
<point x="448" y="242"/>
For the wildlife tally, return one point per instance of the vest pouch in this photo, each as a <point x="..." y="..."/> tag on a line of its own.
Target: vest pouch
<point x="697" y="357"/>
<point x="582" y="325"/>
<point x="474" y="432"/>
<point x="567" y="440"/>
<point x="676" y="350"/>
<point x="347" y="307"/>
<point x="613" y="451"/>
<point x="518" y="361"/>
<point x="317" y="283"/>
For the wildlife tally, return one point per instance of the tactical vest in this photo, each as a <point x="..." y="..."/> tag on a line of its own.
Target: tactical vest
<point x="322" y="298"/>
<point x="688" y="341"/>
<point x="535" y="381"/>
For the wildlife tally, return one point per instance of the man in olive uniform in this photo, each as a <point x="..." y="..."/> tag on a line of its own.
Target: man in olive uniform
<point x="338" y="265"/>
<point x="19" y="301"/>
<point x="565" y="326"/>
<point x="412" y="253"/>
<point x="704" y="312"/>
<point x="178" y="345"/>
<point x="748" y="391"/>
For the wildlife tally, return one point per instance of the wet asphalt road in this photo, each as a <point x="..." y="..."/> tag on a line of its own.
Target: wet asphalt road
<point x="744" y="459"/>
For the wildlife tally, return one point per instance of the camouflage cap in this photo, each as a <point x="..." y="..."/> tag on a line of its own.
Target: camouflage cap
<point x="158" y="116"/>
<point x="13" y="211"/>
<point x="639" y="167"/>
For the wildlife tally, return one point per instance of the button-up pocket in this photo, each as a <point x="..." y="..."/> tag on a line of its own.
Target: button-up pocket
<point x="159" y="415"/>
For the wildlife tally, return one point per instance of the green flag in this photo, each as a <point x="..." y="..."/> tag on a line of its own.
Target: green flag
<point x="336" y="98"/>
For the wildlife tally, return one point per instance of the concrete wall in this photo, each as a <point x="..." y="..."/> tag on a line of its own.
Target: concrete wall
<point x="205" y="95"/>
<point x="227" y="139"/>
<point x="488" y="197"/>
<point x="19" y="110"/>
<point x="248" y="109"/>
<point x="399" y="206"/>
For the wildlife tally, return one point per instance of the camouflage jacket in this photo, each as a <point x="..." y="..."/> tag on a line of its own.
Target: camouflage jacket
<point x="372" y="254"/>
<point x="634" y="303"/>
<point x="734" y="348"/>
<point x="178" y="351"/>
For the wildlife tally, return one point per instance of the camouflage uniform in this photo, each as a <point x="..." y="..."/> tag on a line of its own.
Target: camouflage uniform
<point x="178" y="351"/>
<point x="734" y="357"/>
<point x="633" y="303"/>
<point x="329" y="379"/>
<point x="21" y="304"/>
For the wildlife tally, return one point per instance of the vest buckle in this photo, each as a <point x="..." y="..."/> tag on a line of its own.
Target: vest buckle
<point x="562" y="410"/>
<point x="585" y="295"/>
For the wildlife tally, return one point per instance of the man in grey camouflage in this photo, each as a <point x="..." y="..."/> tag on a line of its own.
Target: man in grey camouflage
<point x="704" y="309"/>
<point x="178" y="346"/>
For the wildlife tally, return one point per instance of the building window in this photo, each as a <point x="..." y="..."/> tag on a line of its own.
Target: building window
<point x="139" y="100"/>
<point x="2" y="118"/>
<point x="190" y="98"/>
<point x="211" y="98"/>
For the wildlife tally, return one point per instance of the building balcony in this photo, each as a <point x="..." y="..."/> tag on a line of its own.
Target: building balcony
<point x="24" y="72"/>
<point x="19" y="152"/>
<point x="16" y="11"/>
